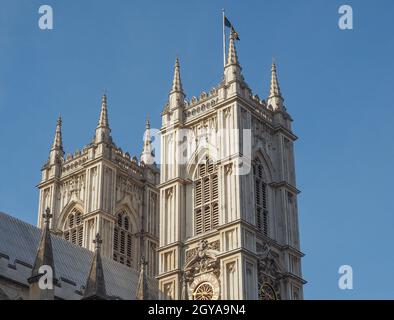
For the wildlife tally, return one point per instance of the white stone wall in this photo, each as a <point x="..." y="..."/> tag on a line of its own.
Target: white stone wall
<point x="101" y="181"/>
<point x="241" y="257"/>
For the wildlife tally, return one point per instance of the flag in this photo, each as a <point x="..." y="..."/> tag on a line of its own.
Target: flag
<point x="235" y="33"/>
<point x="228" y="24"/>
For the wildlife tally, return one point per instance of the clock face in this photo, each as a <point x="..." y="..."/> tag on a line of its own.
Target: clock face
<point x="267" y="292"/>
<point x="204" y="291"/>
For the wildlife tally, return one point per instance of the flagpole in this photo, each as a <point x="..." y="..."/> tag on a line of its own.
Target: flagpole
<point x="224" y="41"/>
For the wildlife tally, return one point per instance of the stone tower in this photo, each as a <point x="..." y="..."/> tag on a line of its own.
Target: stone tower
<point x="101" y="189"/>
<point x="228" y="196"/>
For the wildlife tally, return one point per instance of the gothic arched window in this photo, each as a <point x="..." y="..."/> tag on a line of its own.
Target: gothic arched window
<point x="73" y="228"/>
<point x="123" y="239"/>
<point x="260" y="187"/>
<point x="206" y="197"/>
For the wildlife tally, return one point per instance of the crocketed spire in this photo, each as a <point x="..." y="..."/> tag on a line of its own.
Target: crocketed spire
<point x="57" y="141"/>
<point x="176" y="82"/>
<point x="103" y="130"/>
<point x="103" y="121"/>
<point x="232" y="57"/>
<point x="274" y="87"/>
<point x="95" y="284"/>
<point x="142" y="287"/>
<point x="275" y="98"/>
<point x="44" y="258"/>
<point x="147" y="152"/>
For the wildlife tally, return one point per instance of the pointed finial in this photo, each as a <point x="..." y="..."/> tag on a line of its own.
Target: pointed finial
<point x="44" y="257"/>
<point x="142" y="286"/>
<point x="103" y="121"/>
<point x="232" y="51"/>
<point x="176" y="82"/>
<point x="47" y="216"/>
<point x="274" y="87"/>
<point x="275" y="99"/>
<point x="147" y="156"/>
<point x="97" y="241"/>
<point x="95" y="283"/>
<point x="147" y="123"/>
<point x="57" y="141"/>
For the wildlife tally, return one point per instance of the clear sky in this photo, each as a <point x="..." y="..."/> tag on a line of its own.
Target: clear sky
<point x="338" y="86"/>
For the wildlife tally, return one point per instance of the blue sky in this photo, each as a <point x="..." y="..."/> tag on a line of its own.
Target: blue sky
<point x="338" y="86"/>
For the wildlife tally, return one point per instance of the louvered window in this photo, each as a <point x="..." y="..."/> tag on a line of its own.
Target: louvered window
<point x="261" y="204"/>
<point x="73" y="228"/>
<point x="206" y="196"/>
<point x="123" y="244"/>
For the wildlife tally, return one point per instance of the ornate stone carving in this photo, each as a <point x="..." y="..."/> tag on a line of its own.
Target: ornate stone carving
<point x="228" y="169"/>
<point x="215" y="245"/>
<point x="227" y="112"/>
<point x="269" y="273"/>
<point x="204" y="287"/>
<point x="202" y="260"/>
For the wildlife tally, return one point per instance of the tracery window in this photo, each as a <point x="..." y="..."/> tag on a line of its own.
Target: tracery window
<point x="206" y="197"/>
<point x="123" y="244"/>
<point x="73" y="228"/>
<point x="260" y="197"/>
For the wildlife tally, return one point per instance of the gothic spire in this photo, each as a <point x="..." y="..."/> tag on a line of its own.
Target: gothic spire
<point x="147" y="152"/>
<point x="95" y="284"/>
<point x="176" y="98"/>
<point x="176" y="82"/>
<point x="44" y="257"/>
<point x="57" y="141"/>
<point x="103" y="121"/>
<point x="232" y="70"/>
<point x="103" y="131"/>
<point x="232" y="57"/>
<point x="142" y="287"/>
<point x="275" y="98"/>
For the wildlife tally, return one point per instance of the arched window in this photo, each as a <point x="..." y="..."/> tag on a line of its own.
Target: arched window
<point x="206" y="197"/>
<point x="261" y="205"/>
<point x="73" y="228"/>
<point x="123" y="239"/>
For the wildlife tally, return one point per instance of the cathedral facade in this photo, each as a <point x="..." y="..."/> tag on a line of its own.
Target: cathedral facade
<point x="228" y="196"/>
<point x="216" y="219"/>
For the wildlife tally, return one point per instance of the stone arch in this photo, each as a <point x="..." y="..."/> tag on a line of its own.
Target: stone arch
<point x="74" y="204"/>
<point x="125" y="242"/>
<point x="265" y="160"/>
<point x="197" y="157"/>
<point x="132" y="214"/>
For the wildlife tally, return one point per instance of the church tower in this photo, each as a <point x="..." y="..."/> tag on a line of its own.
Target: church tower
<point x="228" y="196"/>
<point x="101" y="189"/>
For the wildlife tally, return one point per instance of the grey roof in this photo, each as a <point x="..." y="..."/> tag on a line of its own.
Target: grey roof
<point x="3" y="295"/>
<point x="19" y="242"/>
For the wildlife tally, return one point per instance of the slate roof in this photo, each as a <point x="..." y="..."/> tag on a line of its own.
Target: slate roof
<point x="19" y="243"/>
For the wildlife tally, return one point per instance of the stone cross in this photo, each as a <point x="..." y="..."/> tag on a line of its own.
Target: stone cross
<point x="97" y="241"/>
<point x="47" y="216"/>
